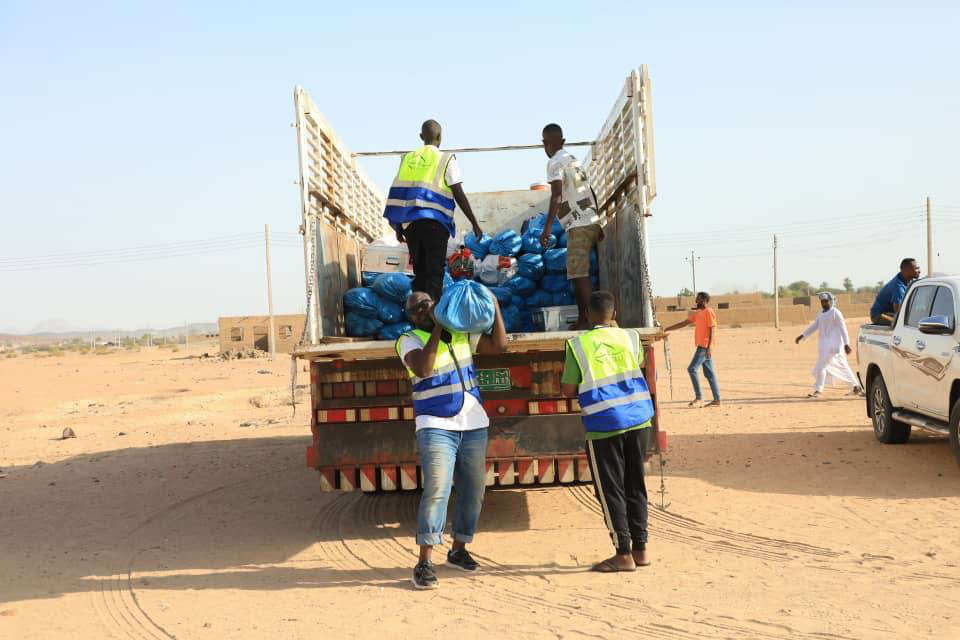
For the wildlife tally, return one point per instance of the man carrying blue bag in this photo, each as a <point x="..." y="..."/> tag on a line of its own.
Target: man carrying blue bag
<point x="451" y="429"/>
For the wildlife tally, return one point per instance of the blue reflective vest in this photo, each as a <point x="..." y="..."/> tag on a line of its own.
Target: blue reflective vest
<point x="420" y="190"/>
<point x="441" y="394"/>
<point x="613" y="392"/>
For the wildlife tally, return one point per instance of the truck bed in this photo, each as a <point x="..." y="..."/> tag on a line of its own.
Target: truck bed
<point x="338" y="349"/>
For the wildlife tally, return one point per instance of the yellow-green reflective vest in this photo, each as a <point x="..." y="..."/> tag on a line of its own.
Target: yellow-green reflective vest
<point x="441" y="393"/>
<point x="420" y="190"/>
<point x="613" y="392"/>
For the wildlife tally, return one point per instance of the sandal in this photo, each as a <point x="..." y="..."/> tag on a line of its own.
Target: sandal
<point x="609" y="566"/>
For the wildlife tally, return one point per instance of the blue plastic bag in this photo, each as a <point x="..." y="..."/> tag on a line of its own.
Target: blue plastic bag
<point x="594" y="281"/>
<point x="478" y="248"/>
<point x="562" y="298"/>
<point x="512" y="317"/>
<point x="503" y="294"/>
<point x="526" y="321"/>
<point x="362" y="301"/>
<point x="594" y="262"/>
<point x="506" y="243"/>
<point x="554" y="282"/>
<point x="520" y="286"/>
<point x="447" y="280"/>
<point x="530" y="265"/>
<point x="359" y="326"/>
<point x="518" y="302"/>
<point x="539" y="298"/>
<point x="367" y="278"/>
<point x="562" y="242"/>
<point x="555" y="260"/>
<point x="466" y="306"/>
<point x="393" y="286"/>
<point x="394" y="331"/>
<point x="540" y="221"/>
<point x="530" y="243"/>
<point x="390" y="312"/>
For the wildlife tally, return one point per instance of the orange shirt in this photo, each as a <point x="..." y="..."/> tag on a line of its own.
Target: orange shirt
<point x="702" y="320"/>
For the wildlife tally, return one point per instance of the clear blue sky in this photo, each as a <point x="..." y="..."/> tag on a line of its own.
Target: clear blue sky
<point x="127" y="124"/>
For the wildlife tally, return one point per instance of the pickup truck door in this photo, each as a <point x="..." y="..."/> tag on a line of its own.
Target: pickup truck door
<point x="936" y="363"/>
<point x="908" y="346"/>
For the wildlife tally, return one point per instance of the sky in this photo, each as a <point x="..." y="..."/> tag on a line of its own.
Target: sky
<point x="144" y="146"/>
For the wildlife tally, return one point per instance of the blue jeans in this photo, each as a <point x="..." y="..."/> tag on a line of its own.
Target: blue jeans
<point x="445" y="456"/>
<point x="700" y="358"/>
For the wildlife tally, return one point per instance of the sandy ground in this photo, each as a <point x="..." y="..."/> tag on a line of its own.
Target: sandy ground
<point x="168" y="518"/>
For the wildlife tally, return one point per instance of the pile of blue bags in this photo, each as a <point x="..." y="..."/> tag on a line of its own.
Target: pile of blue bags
<point x="377" y="308"/>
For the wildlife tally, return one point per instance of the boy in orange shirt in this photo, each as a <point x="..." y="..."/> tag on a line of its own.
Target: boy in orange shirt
<point x="704" y="321"/>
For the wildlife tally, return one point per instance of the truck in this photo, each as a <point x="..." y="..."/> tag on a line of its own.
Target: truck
<point x="361" y="414"/>
<point x="911" y="369"/>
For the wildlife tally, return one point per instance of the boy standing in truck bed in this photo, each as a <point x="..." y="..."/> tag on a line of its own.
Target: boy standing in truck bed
<point x="573" y="202"/>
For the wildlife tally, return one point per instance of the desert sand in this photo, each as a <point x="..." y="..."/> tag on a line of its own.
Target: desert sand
<point x="182" y="510"/>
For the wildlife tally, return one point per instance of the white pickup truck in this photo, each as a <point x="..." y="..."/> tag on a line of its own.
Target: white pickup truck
<point x="911" y="370"/>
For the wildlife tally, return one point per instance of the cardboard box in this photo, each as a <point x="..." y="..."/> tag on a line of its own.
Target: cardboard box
<point x="563" y="318"/>
<point x="386" y="259"/>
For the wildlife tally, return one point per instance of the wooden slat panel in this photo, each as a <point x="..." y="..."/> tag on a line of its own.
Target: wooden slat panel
<point x="336" y="180"/>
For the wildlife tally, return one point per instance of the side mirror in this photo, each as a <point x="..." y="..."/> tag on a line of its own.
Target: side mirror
<point x="936" y="325"/>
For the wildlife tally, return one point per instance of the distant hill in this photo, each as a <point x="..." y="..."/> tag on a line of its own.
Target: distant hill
<point x="192" y="329"/>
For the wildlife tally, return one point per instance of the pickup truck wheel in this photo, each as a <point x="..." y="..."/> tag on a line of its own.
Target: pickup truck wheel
<point x="955" y="430"/>
<point x="885" y="428"/>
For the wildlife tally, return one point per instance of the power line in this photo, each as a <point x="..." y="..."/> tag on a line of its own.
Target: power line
<point x="155" y="252"/>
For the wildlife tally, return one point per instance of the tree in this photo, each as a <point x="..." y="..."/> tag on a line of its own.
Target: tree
<point x="824" y="285"/>
<point x="799" y="285"/>
<point x="848" y="285"/>
<point x="685" y="292"/>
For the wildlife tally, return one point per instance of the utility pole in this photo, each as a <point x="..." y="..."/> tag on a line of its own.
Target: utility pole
<point x="273" y="334"/>
<point x="776" y="287"/>
<point x="929" y="240"/>
<point x="693" y="259"/>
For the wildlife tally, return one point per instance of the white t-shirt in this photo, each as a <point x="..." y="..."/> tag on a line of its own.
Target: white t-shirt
<point x="577" y="194"/>
<point x="471" y="416"/>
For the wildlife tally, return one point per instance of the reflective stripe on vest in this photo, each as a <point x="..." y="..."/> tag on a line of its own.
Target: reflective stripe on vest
<point x="441" y="393"/>
<point x="613" y="392"/>
<point x="420" y="190"/>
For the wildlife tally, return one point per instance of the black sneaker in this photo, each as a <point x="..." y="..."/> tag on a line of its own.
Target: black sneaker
<point x="425" y="575"/>
<point x="461" y="559"/>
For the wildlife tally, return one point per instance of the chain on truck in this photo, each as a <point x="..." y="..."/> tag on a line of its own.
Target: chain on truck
<point x="361" y="413"/>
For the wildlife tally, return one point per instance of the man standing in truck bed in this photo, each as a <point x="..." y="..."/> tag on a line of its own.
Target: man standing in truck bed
<point x="451" y="430"/>
<point x="572" y="201"/>
<point x="420" y="208"/>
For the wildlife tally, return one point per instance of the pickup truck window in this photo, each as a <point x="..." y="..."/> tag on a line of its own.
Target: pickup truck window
<point x="920" y="303"/>
<point x="943" y="303"/>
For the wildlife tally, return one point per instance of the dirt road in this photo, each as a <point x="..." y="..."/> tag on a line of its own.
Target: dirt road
<point x="182" y="510"/>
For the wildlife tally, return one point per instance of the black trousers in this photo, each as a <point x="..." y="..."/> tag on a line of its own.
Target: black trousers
<point x="617" y="467"/>
<point x="427" y="242"/>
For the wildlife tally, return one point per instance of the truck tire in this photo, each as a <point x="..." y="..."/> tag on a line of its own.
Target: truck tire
<point x="885" y="428"/>
<point x="955" y="430"/>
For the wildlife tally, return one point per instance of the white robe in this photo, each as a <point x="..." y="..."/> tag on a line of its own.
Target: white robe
<point x="832" y="366"/>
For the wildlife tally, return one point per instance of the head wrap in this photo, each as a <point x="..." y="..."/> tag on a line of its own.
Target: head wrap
<point x="826" y="295"/>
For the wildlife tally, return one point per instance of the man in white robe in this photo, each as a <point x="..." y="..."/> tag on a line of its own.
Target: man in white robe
<point x="834" y="346"/>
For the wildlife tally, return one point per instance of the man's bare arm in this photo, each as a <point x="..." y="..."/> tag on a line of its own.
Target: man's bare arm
<point x="421" y="361"/>
<point x="679" y="325"/>
<point x="496" y="342"/>
<point x="461" y="199"/>
<point x="556" y="197"/>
